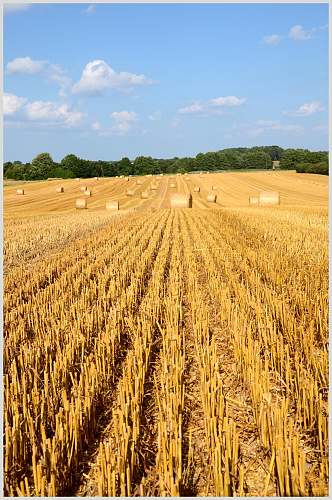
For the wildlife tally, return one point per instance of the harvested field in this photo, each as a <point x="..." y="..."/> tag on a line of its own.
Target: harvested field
<point x="159" y="352"/>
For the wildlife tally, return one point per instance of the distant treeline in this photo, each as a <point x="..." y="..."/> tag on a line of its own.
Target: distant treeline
<point x="259" y="157"/>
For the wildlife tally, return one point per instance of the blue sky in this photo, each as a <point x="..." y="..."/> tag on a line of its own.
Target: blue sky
<point x="106" y="81"/>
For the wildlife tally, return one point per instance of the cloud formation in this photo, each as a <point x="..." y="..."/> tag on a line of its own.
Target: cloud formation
<point x="213" y="106"/>
<point x="43" y="112"/>
<point x="272" y="39"/>
<point x="123" y="124"/>
<point x="307" y="109"/>
<point x="12" y="103"/>
<point x="297" y="33"/>
<point x="52" y="72"/>
<point x="98" y="76"/>
<point x="25" y="65"/>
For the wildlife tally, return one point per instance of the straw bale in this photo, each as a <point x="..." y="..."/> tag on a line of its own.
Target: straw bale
<point x="60" y="189"/>
<point x="81" y="203"/>
<point x="112" y="205"/>
<point x="269" y="198"/>
<point x="20" y="191"/>
<point x="197" y="189"/>
<point x="87" y="193"/>
<point x="144" y="194"/>
<point x="179" y="200"/>
<point x="211" y="198"/>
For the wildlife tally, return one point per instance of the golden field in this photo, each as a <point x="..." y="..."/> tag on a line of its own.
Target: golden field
<point x="166" y="352"/>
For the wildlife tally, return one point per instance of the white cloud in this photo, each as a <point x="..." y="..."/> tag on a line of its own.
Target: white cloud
<point x="15" y="7"/>
<point x="57" y="75"/>
<point x="25" y="65"/>
<point x="156" y="116"/>
<point x="123" y="123"/>
<point x="47" y="111"/>
<point x="98" y="76"/>
<point x="90" y="9"/>
<point x="307" y="109"/>
<point x="96" y="126"/>
<point x="212" y="106"/>
<point x="195" y="107"/>
<point x="12" y="103"/>
<point x="298" y="33"/>
<point x="272" y="39"/>
<point x="229" y="101"/>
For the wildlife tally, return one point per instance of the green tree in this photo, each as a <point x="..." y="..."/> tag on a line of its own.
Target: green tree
<point x="42" y="165"/>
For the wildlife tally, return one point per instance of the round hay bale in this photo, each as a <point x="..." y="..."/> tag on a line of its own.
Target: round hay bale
<point x="130" y="192"/>
<point x="96" y="178"/>
<point x="154" y="187"/>
<point x="253" y="200"/>
<point x="179" y="200"/>
<point x="112" y="205"/>
<point x="139" y="182"/>
<point x="172" y="185"/>
<point x="78" y="179"/>
<point x="60" y="189"/>
<point x="126" y="179"/>
<point x="211" y="198"/>
<point x="81" y="203"/>
<point x="214" y="188"/>
<point x="87" y="193"/>
<point x="187" y="178"/>
<point x="269" y="198"/>
<point x="197" y="189"/>
<point x="144" y="195"/>
<point x="20" y="191"/>
<point x="83" y="188"/>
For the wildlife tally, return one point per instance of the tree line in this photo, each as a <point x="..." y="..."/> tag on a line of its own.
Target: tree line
<point x="258" y="157"/>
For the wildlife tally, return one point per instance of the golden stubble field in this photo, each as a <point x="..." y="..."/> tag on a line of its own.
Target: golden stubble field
<point x="166" y="352"/>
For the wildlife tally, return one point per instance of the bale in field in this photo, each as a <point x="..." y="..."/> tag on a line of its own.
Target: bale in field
<point x="253" y="200"/>
<point x="87" y="193"/>
<point x="83" y="188"/>
<point x="144" y="195"/>
<point x="211" y="198"/>
<point x="81" y="203"/>
<point x="269" y="198"/>
<point x="78" y="179"/>
<point x="154" y="187"/>
<point x="20" y="191"/>
<point x="139" y="182"/>
<point x="126" y="179"/>
<point x="172" y="185"/>
<point x="96" y="178"/>
<point x="187" y="178"/>
<point x="214" y="188"/>
<point x="197" y="189"/>
<point x="130" y="192"/>
<point x="179" y="200"/>
<point x="60" y="189"/>
<point x="112" y="205"/>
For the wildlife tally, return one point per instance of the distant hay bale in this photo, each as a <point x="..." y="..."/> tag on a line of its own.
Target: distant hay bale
<point x="130" y="192"/>
<point x="172" y="185"/>
<point x="81" y="203"/>
<point x="253" y="200"/>
<point x="214" y="188"/>
<point x="112" y="205"/>
<point x="60" y="189"/>
<point x="178" y="173"/>
<point x="211" y="198"/>
<point x="269" y="198"/>
<point x="126" y="179"/>
<point x="78" y="178"/>
<point x="179" y="200"/>
<point x="139" y="182"/>
<point x="83" y="188"/>
<point x="187" y="178"/>
<point x="20" y="191"/>
<point x="197" y="189"/>
<point x="87" y="193"/>
<point x="96" y="178"/>
<point x="144" y="195"/>
<point x="154" y="187"/>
